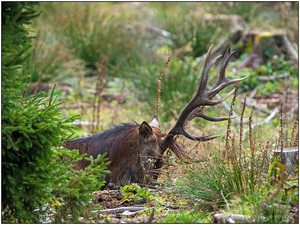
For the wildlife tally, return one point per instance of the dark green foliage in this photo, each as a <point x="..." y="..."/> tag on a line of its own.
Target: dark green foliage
<point x="36" y="172"/>
<point x="15" y="44"/>
<point x="73" y="189"/>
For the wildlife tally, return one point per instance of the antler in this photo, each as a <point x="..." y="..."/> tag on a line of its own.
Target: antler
<point x="203" y="98"/>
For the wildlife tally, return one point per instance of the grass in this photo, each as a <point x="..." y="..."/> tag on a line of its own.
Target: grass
<point x="73" y="42"/>
<point x="187" y="217"/>
<point x="187" y="28"/>
<point x="243" y="174"/>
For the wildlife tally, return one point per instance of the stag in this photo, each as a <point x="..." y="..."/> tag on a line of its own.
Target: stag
<point x="136" y="151"/>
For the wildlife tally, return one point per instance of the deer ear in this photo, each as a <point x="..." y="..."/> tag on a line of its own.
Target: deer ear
<point x="154" y="122"/>
<point x="145" y="129"/>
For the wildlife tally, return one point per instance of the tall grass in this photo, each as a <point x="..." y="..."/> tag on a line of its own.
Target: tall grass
<point x="245" y="170"/>
<point x="178" y="84"/>
<point x="186" y="27"/>
<point x="96" y="32"/>
<point x="51" y="61"/>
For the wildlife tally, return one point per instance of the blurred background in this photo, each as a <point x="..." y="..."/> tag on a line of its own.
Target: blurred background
<point x="106" y="57"/>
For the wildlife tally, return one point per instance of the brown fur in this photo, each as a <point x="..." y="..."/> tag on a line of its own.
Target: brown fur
<point x="131" y="148"/>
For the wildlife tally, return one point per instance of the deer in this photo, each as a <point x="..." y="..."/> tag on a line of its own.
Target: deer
<point x="135" y="151"/>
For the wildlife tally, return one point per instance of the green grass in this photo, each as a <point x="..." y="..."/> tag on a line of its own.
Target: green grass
<point x="244" y="177"/>
<point x="187" y="217"/>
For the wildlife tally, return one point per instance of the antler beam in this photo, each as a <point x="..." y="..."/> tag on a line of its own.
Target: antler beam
<point x="203" y="98"/>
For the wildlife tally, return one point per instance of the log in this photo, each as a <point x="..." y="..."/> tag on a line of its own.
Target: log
<point x="290" y="49"/>
<point x="268" y="119"/>
<point x="123" y="209"/>
<point x="289" y="158"/>
<point x="274" y="77"/>
<point x="231" y="218"/>
<point x="276" y="41"/>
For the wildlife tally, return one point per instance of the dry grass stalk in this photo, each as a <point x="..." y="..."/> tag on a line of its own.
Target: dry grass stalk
<point x="281" y="142"/>
<point x="252" y="149"/>
<point x="271" y="196"/>
<point x="97" y="99"/>
<point x="295" y="132"/>
<point x="234" y="157"/>
<point x="161" y="73"/>
<point x="79" y="98"/>
<point x="252" y="145"/>
<point x="228" y="132"/>
<point x="241" y="128"/>
<point x="265" y="154"/>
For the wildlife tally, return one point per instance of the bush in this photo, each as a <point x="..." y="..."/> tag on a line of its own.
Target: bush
<point x="36" y="172"/>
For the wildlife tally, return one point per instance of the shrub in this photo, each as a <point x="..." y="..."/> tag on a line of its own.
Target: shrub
<point x="50" y="61"/>
<point x="36" y="173"/>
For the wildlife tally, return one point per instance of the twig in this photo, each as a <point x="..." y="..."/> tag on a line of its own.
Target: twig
<point x="229" y="120"/>
<point x="252" y="103"/>
<point x="290" y="48"/>
<point x="97" y="99"/>
<point x="229" y="220"/>
<point x="253" y="93"/>
<point x="281" y="127"/>
<point x="84" y="123"/>
<point x="242" y="128"/>
<point x="274" y="77"/>
<point x="123" y="209"/>
<point x="227" y="204"/>
<point x="269" y="118"/>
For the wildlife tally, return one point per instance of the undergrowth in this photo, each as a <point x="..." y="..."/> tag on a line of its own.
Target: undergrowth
<point x="244" y="177"/>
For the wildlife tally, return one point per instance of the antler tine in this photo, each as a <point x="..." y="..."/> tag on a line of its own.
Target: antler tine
<point x="206" y="69"/>
<point x="224" y="64"/>
<point x="209" y="118"/>
<point x="199" y="113"/>
<point x="216" y="90"/>
<point x="200" y="138"/>
<point x="209" y="102"/>
<point x="223" y="81"/>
